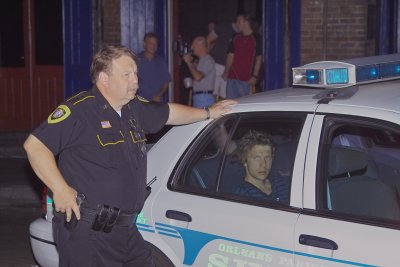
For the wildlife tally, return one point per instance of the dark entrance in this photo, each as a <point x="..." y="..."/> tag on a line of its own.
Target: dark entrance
<point x="191" y="18"/>
<point x="31" y="62"/>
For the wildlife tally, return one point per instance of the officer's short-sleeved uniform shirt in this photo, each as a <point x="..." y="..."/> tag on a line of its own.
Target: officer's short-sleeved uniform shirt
<point x="100" y="153"/>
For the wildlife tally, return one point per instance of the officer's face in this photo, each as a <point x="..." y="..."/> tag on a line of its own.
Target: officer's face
<point x="123" y="80"/>
<point x="258" y="162"/>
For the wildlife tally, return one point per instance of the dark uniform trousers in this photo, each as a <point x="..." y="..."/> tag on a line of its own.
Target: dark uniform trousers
<point x="84" y="247"/>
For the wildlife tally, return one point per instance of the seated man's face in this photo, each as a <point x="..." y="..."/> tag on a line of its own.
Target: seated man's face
<point x="258" y="163"/>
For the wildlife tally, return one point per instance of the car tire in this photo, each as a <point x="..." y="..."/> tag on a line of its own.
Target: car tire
<point x="159" y="258"/>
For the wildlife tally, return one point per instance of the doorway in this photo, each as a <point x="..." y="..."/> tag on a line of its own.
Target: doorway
<point x="190" y="18"/>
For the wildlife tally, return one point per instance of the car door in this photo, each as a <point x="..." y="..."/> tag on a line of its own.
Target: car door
<point x="351" y="214"/>
<point x="206" y="223"/>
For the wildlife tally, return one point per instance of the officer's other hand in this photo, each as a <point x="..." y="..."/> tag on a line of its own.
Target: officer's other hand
<point x="65" y="202"/>
<point x="221" y="107"/>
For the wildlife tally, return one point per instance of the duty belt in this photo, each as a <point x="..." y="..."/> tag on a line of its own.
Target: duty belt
<point x="106" y="217"/>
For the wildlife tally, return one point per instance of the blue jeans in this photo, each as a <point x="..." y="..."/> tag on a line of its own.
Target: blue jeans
<point x="236" y="88"/>
<point x="203" y="100"/>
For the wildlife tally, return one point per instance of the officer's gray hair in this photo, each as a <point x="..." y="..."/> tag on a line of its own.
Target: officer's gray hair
<point x="102" y="61"/>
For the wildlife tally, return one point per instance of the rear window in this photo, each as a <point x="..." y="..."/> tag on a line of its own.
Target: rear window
<point x="247" y="158"/>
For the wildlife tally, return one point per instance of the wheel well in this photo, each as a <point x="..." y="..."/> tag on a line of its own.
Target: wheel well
<point x="159" y="258"/>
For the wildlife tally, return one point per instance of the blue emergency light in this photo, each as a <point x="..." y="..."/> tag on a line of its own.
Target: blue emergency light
<point x="337" y="76"/>
<point x="313" y="76"/>
<point x="348" y="72"/>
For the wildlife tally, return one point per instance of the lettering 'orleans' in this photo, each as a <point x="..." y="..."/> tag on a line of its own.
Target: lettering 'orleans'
<point x="216" y="260"/>
<point x="252" y="254"/>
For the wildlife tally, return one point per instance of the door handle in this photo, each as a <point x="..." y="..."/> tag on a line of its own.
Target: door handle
<point x="319" y="242"/>
<point x="178" y="215"/>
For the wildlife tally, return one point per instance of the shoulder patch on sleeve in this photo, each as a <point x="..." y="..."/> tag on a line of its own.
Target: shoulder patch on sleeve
<point x="61" y="113"/>
<point x="142" y="99"/>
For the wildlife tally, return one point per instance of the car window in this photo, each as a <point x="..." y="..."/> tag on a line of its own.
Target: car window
<point x="201" y="171"/>
<point x="362" y="171"/>
<point x="245" y="158"/>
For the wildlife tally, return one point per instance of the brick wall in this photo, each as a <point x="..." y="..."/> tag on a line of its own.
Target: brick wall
<point x="111" y="22"/>
<point x="346" y="30"/>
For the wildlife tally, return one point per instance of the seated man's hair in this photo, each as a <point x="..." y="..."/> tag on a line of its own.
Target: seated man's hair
<point x="249" y="140"/>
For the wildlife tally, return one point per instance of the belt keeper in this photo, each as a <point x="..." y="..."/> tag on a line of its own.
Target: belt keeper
<point x="208" y="113"/>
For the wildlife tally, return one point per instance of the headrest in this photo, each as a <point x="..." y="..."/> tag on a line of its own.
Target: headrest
<point x="345" y="160"/>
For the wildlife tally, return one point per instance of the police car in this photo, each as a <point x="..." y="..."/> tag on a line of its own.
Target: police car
<point x="336" y="138"/>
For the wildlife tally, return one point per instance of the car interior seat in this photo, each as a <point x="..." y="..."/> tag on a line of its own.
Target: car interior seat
<point x="205" y="173"/>
<point x="233" y="174"/>
<point x="357" y="194"/>
<point x="283" y="161"/>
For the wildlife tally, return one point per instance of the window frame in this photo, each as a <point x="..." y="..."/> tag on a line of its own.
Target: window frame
<point x="200" y="139"/>
<point x="331" y="123"/>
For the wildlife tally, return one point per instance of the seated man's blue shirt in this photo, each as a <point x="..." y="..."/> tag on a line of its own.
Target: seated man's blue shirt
<point x="249" y="190"/>
<point x="152" y="75"/>
<point x="280" y="190"/>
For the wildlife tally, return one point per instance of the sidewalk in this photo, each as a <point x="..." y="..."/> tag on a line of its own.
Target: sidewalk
<point x="11" y="144"/>
<point x="19" y="186"/>
<point x="20" y="201"/>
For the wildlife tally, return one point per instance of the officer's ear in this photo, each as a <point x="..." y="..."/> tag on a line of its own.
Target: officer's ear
<point x="103" y="78"/>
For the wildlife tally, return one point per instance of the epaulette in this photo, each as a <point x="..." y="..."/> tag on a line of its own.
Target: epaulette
<point x="142" y="99"/>
<point x="80" y="97"/>
<point x="64" y="110"/>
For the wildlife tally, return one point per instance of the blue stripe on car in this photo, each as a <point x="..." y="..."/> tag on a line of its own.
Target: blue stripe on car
<point x="194" y="241"/>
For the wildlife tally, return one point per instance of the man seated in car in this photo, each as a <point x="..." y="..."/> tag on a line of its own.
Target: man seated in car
<point x="255" y="152"/>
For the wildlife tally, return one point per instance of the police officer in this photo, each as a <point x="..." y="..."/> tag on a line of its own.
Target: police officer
<point x="99" y="137"/>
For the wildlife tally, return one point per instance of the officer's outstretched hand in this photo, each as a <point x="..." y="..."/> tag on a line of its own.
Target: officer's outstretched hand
<point x="65" y="202"/>
<point x="221" y="107"/>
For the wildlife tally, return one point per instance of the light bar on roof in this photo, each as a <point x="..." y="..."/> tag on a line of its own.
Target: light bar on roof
<point x="327" y="74"/>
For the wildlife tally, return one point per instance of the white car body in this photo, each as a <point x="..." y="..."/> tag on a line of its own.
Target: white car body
<point x="217" y="234"/>
<point x="192" y="227"/>
<point x="41" y="238"/>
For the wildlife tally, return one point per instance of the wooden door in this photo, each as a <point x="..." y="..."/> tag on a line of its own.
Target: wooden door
<point x="31" y="62"/>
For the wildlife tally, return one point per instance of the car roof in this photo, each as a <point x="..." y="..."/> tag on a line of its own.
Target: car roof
<point x="379" y="95"/>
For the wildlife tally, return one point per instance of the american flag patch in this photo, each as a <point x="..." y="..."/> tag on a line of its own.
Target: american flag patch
<point x="105" y="124"/>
